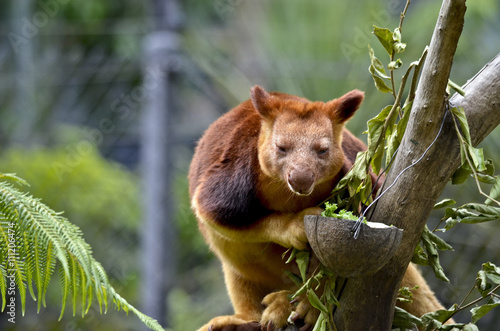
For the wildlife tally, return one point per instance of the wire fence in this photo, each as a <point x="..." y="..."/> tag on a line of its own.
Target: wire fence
<point x="72" y="87"/>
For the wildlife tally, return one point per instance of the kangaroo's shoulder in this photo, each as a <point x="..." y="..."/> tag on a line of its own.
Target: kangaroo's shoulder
<point x="224" y="171"/>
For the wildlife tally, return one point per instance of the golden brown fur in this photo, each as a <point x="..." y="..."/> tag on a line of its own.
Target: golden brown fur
<point x="256" y="172"/>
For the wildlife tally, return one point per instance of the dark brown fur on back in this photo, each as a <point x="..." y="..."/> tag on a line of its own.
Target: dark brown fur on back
<point x="230" y="195"/>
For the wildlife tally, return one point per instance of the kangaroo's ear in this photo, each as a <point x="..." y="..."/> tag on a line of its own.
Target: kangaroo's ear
<point x="263" y="102"/>
<point x="343" y="108"/>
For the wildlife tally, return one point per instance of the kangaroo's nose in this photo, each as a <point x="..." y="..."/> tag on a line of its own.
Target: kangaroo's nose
<point x="301" y="181"/>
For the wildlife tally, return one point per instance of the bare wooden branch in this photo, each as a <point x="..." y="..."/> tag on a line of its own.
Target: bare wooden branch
<point x="482" y="100"/>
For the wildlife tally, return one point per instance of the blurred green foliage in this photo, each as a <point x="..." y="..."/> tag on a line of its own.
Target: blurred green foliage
<point x="192" y="248"/>
<point x="99" y="196"/>
<point x="105" y="24"/>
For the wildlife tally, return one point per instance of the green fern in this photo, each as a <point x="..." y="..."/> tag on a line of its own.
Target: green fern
<point x="33" y="238"/>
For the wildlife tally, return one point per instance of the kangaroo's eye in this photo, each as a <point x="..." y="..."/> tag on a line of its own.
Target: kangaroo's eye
<point x="281" y="148"/>
<point x="322" y="151"/>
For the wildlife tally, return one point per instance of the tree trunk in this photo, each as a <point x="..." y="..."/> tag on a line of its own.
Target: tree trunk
<point x="368" y="303"/>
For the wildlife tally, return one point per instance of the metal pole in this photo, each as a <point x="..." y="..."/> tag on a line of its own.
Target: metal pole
<point x="159" y="233"/>
<point x="24" y="31"/>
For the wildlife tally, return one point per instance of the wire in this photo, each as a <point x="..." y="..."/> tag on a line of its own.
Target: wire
<point x="356" y="228"/>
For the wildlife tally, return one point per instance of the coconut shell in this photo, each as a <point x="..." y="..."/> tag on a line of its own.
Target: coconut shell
<point x="332" y="240"/>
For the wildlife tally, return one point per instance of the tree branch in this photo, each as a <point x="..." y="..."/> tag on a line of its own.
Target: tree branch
<point x="368" y="304"/>
<point x="410" y="201"/>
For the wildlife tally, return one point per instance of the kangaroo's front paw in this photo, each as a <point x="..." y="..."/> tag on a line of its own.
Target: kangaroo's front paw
<point x="277" y="311"/>
<point x="296" y="234"/>
<point x="304" y="311"/>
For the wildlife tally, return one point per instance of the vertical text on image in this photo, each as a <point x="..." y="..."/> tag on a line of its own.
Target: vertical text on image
<point x="11" y="272"/>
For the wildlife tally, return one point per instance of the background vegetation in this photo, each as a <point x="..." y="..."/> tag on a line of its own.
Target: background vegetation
<point x="67" y="128"/>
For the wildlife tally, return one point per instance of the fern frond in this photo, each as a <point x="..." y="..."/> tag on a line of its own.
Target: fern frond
<point x="14" y="178"/>
<point x="50" y="264"/>
<point x="42" y="237"/>
<point x="84" y="288"/>
<point x="30" y="264"/>
<point x="63" y="277"/>
<point x="17" y="207"/>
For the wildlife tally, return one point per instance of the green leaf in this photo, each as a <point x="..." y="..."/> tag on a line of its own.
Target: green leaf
<point x="301" y="290"/>
<point x="419" y="256"/>
<point x="482" y="284"/>
<point x="492" y="271"/>
<point x="484" y="209"/>
<point x="440" y="316"/>
<point x="302" y="259"/>
<point x="459" y="113"/>
<point x="433" y="256"/>
<point x="394" y="140"/>
<point x="490" y="167"/>
<point x="440" y="243"/>
<point x="329" y="210"/>
<point x="444" y="203"/>
<point x="486" y="178"/>
<point x="375" y="127"/>
<point x="358" y="173"/>
<point x="478" y="219"/>
<point x="293" y="253"/>
<point x="450" y="223"/>
<point x="494" y="193"/>
<point x="477" y="157"/>
<point x="461" y="175"/>
<point x="347" y="215"/>
<point x="378" y="67"/>
<point x="395" y="64"/>
<point x="405" y="294"/>
<point x="396" y="35"/>
<point x="320" y="324"/>
<point x="403" y="122"/>
<point x="385" y="37"/>
<point x="404" y="319"/>
<point x="295" y="278"/>
<point x="470" y="154"/>
<point x="470" y="327"/>
<point x="391" y="146"/>
<point x="316" y="302"/>
<point x="471" y="213"/>
<point x="365" y="194"/>
<point x="399" y="47"/>
<point x="329" y="292"/>
<point x="479" y="312"/>
<point x="379" y="82"/>
<point x="488" y="266"/>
